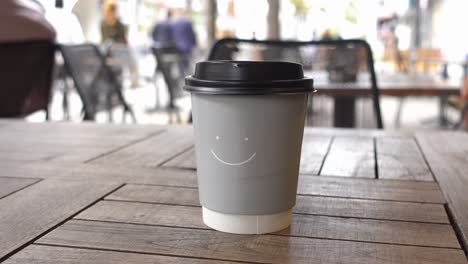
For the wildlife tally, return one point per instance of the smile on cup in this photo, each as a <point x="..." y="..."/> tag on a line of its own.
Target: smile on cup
<point x="233" y="163"/>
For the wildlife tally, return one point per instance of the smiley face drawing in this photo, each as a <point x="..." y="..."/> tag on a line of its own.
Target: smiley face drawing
<point x="240" y="163"/>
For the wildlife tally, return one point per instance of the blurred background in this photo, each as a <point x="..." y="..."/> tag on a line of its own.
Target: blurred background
<point x="407" y="37"/>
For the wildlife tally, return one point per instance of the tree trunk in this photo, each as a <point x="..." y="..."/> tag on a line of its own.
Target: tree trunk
<point x="273" y="25"/>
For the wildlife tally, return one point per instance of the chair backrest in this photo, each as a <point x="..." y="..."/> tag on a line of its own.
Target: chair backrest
<point x="332" y="63"/>
<point x="25" y="77"/>
<point x="94" y="80"/>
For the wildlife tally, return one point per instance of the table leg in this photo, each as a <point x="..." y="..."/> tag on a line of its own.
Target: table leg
<point x="401" y="101"/>
<point x="344" y="111"/>
<point x="65" y="103"/>
<point x="443" y="122"/>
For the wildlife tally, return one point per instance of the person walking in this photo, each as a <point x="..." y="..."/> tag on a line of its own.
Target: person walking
<point x="184" y="38"/>
<point x="464" y="102"/>
<point x="111" y="28"/>
<point x="162" y="34"/>
<point x="114" y="36"/>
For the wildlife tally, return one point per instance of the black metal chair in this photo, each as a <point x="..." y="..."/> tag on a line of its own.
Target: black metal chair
<point x="463" y="113"/>
<point x="332" y="63"/>
<point x="460" y="106"/>
<point x="25" y="77"/>
<point x="94" y="80"/>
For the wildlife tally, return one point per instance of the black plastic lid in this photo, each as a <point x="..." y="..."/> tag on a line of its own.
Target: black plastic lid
<point x="248" y="77"/>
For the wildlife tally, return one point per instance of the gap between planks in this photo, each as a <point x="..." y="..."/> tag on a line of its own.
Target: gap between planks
<point x="303" y="225"/>
<point x="260" y="248"/>
<point x="156" y="133"/>
<point x="124" y="255"/>
<point x="12" y="185"/>
<point x="11" y="251"/>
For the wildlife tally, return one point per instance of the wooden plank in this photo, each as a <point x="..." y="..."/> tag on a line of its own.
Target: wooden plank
<point x="400" y="85"/>
<point x="394" y="190"/>
<point x="153" y="151"/>
<point x="447" y="156"/>
<point x="312" y="226"/>
<point x="186" y="160"/>
<point x="355" y="132"/>
<point x="314" y="149"/>
<point x="99" y="173"/>
<point x="350" y="157"/>
<point x="66" y="142"/>
<point x="81" y="130"/>
<point x="156" y="194"/>
<point x="39" y="254"/>
<point x="371" y="209"/>
<point x="10" y="185"/>
<point x="29" y="213"/>
<point x="330" y="206"/>
<point x="218" y="245"/>
<point x="400" y="158"/>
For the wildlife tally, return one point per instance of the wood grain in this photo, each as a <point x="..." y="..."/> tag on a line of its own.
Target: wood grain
<point x="409" y="191"/>
<point x="370" y="209"/>
<point x="83" y="130"/>
<point x="314" y="149"/>
<point x="186" y="160"/>
<point x="39" y="254"/>
<point x="265" y="248"/>
<point x="350" y="157"/>
<point x="336" y="219"/>
<point x="312" y="226"/>
<point x="405" y="191"/>
<point x="99" y="173"/>
<point x="400" y="158"/>
<point x="66" y="142"/>
<point x="330" y="206"/>
<point x="153" y="151"/>
<point x="10" y="185"/>
<point x="447" y="154"/>
<point x="394" y="190"/>
<point x="156" y="194"/>
<point x="28" y="213"/>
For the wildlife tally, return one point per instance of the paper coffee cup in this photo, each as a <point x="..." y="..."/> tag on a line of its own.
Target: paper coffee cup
<point x="248" y="122"/>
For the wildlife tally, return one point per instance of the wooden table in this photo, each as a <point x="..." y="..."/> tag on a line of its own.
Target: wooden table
<point x="86" y="193"/>
<point x="390" y="84"/>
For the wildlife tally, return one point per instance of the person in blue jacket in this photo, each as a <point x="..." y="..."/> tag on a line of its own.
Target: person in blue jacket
<point x="184" y="38"/>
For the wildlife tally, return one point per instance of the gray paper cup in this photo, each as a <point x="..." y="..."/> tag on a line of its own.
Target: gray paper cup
<point x="248" y="122"/>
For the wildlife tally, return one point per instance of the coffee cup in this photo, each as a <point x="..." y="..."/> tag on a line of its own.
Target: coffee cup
<point x="248" y="119"/>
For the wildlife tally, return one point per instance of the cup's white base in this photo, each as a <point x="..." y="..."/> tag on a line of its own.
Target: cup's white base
<point x="246" y="224"/>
